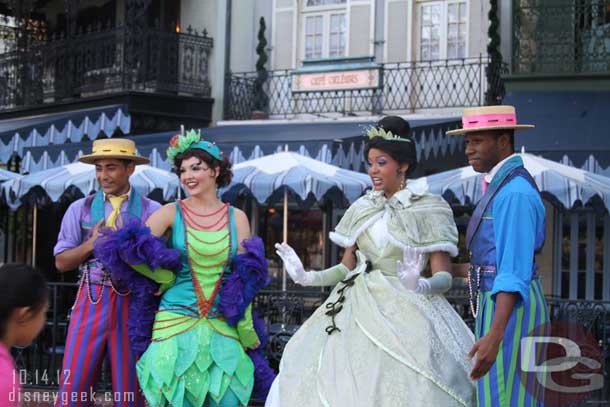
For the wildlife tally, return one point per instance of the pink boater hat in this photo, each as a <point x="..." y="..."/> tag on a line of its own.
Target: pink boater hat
<point x="489" y="118"/>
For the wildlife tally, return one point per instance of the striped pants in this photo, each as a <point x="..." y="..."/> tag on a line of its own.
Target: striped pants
<point x="506" y="385"/>
<point x="97" y="331"/>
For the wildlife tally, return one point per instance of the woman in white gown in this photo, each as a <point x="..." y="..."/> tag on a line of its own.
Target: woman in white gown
<point x="385" y="337"/>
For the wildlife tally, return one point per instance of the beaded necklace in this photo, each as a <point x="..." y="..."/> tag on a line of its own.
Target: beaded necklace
<point x="189" y="213"/>
<point x="206" y="303"/>
<point x="203" y="303"/>
<point x="191" y="234"/>
<point x="474" y="310"/>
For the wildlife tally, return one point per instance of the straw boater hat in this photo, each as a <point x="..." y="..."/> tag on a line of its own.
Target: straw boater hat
<point x="489" y="118"/>
<point x="119" y="148"/>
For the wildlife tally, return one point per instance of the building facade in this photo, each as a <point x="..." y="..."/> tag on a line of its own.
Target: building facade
<point x="63" y="55"/>
<point x="431" y="55"/>
<point x="558" y="55"/>
<point x="323" y="61"/>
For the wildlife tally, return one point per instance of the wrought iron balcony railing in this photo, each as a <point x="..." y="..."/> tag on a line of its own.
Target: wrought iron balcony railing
<point x="106" y="61"/>
<point x="561" y="37"/>
<point x="39" y="365"/>
<point x="406" y="86"/>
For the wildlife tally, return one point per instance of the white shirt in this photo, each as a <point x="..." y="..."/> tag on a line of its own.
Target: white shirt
<point x="491" y="174"/>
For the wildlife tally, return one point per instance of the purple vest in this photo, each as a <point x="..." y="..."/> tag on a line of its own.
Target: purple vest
<point x="93" y="211"/>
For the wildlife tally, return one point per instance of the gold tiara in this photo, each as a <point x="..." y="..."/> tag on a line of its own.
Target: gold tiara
<point x="388" y="135"/>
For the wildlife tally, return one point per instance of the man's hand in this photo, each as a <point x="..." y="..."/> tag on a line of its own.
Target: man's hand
<point x="486" y="348"/>
<point x="486" y="351"/>
<point x="95" y="233"/>
<point x="70" y="259"/>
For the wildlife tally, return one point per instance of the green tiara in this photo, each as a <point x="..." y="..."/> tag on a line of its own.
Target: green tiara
<point x="388" y="135"/>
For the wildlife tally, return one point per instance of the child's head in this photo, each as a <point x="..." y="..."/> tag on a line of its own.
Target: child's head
<point x="24" y="300"/>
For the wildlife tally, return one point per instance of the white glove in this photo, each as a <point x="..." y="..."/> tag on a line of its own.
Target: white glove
<point x="293" y="264"/>
<point x="409" y="271"/>
<point x="410" y="268"/>
<point x="296" y="271"/>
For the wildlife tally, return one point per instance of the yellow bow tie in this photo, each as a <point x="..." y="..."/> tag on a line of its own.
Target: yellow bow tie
<point x="116" y="202"/>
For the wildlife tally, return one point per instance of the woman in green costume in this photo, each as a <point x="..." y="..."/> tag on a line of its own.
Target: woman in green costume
<point x="196" y="357"/>
<point x="386" y="336"/>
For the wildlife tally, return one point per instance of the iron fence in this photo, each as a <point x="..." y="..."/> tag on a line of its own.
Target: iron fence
<point x="99" y="61"/>
<point x="561" y="37"/>
<point x="39" y="365"/>
<point x="405" y="86"/>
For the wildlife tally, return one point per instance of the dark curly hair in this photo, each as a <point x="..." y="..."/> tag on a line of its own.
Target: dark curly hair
<point x="20" y="286"/>
<point x="401" y="151"/>
<point x="224" y="174"/>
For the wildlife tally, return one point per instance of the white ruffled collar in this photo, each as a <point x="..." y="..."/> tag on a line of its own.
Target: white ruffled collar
<point x="404" y="198"/>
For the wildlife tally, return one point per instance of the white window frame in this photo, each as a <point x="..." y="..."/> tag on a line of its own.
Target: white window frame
<point x="444" y="27"/>
<point x="324" y="7"/>
<point x="326" y="11"/>
<point x="457" y="2"/>
<point x="322" y="40"/>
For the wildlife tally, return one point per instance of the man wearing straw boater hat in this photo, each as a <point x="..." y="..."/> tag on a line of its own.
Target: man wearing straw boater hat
<point x="98" y="327"/>
<point x="505" y="231"/>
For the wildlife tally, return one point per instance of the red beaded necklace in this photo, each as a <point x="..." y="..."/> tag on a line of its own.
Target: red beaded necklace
<point x="205" y="304"/>
<point x="189" y="215"/>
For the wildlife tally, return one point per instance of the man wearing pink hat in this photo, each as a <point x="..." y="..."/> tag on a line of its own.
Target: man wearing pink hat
<point x="505" y="231"/>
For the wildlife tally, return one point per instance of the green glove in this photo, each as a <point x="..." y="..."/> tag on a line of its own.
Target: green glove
<point x="162" y="276"/>
<point x="245" y="329"/>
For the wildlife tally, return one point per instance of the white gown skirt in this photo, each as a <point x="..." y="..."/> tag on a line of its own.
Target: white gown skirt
<point x="395" y="348"/>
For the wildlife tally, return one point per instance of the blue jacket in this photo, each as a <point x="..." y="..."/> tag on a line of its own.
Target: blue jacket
<point x="511" y="230"/>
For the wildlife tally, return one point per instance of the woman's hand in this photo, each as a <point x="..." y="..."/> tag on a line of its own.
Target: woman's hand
<point x="409" y="269"/>
<point x="293" y="264"/>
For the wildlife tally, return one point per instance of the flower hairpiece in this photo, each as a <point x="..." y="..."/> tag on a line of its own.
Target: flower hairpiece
<point x="388" y="135"/>
<point x="192" y="139"/>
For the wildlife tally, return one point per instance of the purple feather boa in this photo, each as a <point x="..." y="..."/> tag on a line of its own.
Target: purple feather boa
<point x="134" y="244"/>
<point x="263" y="373"/>
<point x="248" y="275"/>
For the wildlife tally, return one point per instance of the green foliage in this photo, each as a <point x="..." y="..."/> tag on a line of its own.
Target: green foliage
<point x="495" y="85"/>
<point x="261" y="100"/>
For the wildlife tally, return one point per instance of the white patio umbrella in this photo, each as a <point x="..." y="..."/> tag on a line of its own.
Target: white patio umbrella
<point x="8" y="175"/>
<point x="54" y="183"/>
<point x="303" y="175"/>
<point x="564" y="183"/>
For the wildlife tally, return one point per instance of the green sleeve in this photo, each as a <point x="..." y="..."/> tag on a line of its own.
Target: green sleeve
<point x="245" y="329"/>
<point x="162" y="276"/>
<point x="330" y="276"/>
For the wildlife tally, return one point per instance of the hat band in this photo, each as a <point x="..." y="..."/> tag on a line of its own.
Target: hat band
<point x="488" y="120"/>
<point x="112" y="150"/>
